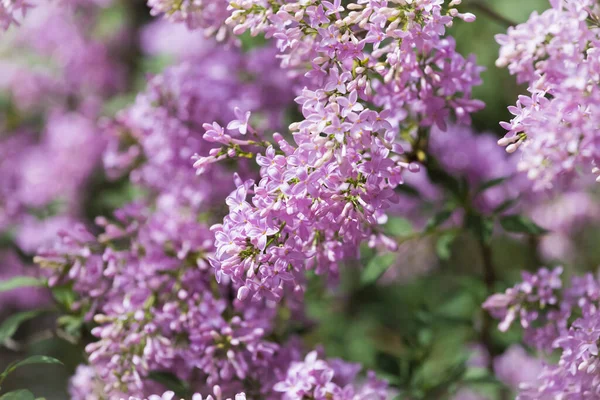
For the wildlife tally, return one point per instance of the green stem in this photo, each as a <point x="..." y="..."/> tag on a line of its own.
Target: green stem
<point x="492" y="14"/>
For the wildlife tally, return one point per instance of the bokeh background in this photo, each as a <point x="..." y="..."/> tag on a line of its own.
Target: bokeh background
<point x="416" y="325"/>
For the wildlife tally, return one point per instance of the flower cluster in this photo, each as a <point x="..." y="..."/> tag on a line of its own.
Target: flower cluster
<point x="565" y="217"/>
<point x="171" y="396"/>
<point x="557" y="55"/>
<point x="318" y="379"/>
<point x="144" y="279"/>
<point x="154" y="139"/>
<point x="556" y="318"/>
<point x="535" y="303"/>
<point x="322" y="195"/>
<point x="146" y="282"/>
<point x="50" y="145"/>
<point x="209" y="15"/>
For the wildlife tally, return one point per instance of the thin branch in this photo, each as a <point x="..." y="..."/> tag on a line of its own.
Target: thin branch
<point x="489" y="278"/>
<point x="485" y="9"/>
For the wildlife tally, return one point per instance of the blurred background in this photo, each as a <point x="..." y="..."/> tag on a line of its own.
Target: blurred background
<point x="413" y="316"/>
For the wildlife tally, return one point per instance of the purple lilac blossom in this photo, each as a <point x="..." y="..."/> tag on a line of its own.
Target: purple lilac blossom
<point x="515" y="367"/>
<point x="557" y="55"/>
<point x="556" y="318"/>
<point x="564" y="217"/>
<point x="525" y="301"/>
<point x="575" y="376"/>
<point x="79" y="66"/>
<point x="209" y="15"/>
<point x="154" y="139"/>
<point x="319" y="379"/>
<point x="171" y="396"/>
<point x="155" y="306"/>
<point x="321" y="196"/>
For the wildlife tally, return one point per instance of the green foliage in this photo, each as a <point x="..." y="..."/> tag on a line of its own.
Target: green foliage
<point x="28" y="361"/>
<point x="18" y="395"/>
<point x="437" y="220"/>
<point x="377" y="267"/>
<point x="20" y="282"/>
<point x="444" y="243"/>
<point x="398" y="227"/>
<point x="521" y="224"/>
<point x="482" y="227"/>
<point x="12" y="323"/>
<point x="490" y="184"/>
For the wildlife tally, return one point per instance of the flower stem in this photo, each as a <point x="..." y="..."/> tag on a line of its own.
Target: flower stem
<point x="489" y="278"/>
<point x="490" y="13"/>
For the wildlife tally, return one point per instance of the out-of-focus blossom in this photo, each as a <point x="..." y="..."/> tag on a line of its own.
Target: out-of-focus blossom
<point x="515" y="367"/>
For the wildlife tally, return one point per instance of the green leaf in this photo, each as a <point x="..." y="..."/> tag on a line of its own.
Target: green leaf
<point x="12" y="323"/>
<point x="72" y="324"/>
<point x="64" y="295"/>
<point x="443" y="245"/>
<point x="437" y="220"/>
<point x="28" y="361"/>
<point x="20" y="282"/>
<point x="490" y="184"/>
<point x="37" y="360"/>
<point x="521" y="224"/>
<point x="250" y="42"/>
<point x="18" y="395"/>
<point x="376" y="267"/>
<point x="505" y="206"/>
<point x="478" y="376"/>
<point x="398" y="227"/>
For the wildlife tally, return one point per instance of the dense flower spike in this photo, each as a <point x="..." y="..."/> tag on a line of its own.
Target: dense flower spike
<point x="535" y="303"/>
<point x="206" y="14"/>
<point x="318" y="379"/>
<point x="155" y="305"/>
<point x="270" y="143"/>
<point x="556" y="318"/>
<point x="323" y="195"/>
<point x="154" y="139"/>
<point x="171" y="396"/>
<point x="557" y="55"/>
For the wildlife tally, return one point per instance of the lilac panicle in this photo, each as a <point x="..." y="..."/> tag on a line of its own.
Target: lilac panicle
<point x="319" y="379"/>
<point x="327" y="191"/>
<point x="533" y="302"/>
<point x="557" y="55"/>
<point x="556" y="318"/>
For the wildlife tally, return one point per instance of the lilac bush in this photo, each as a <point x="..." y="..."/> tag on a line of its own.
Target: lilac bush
<point x="297" y="200"/>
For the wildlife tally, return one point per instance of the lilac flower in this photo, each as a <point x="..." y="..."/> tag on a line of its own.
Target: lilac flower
<point x="332" y="186"/>
<point x="315" y="378"/>
<point x="171" y="396"/>
<point x="241" y="123"/>
<point x="533" y="300"/>
<point x="528" y="369"/>
<point x="85" y="385"/>
<point x="556" y="53"/>
<point x="10" y="10"/>
<point x="154" y="305"/>
<point x="205" y="14"/>
<point x="575" y="375"/>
